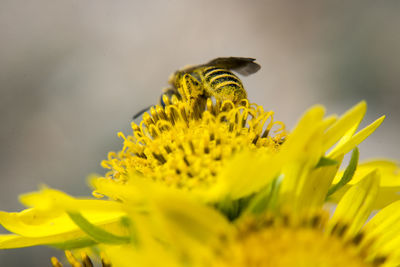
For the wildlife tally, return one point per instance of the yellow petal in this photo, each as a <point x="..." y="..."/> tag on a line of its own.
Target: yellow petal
<point x="301" y="153"/>
<point x="49" y="215"/>
<point x="356" y="205"/>
<point x="128" y="191"/>
<point x="67" y="240"/>
<point x="189" y="224"/>
<point x="329" y="121"/>
<point x="389" y="170"/>
<point x="98" y="233"/>
<point x="384" y="229"/>
<point x="57" y="201"/>
<point x="183" y="218"/>
<point x="352" y="142"/>
<point x="301" y="140"/>
<point x="245" y="173"/>
<point x="345" y="126"/>
<point x="313" y="190"/>
<point x="386" y="196"/>
<point x="127" y="256"/>
<point x="32" y="223"/>
<point x="389" y="188"/>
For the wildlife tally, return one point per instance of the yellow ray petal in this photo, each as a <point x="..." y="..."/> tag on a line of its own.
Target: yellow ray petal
<point x="49" y="215"/>
<point x="389" y="189"/>
<point x="352" y="142"/>
<point x="386" y="196"/>
<point x="31" y="223"/>
<point x="69" y="240"/>
<point x="189" y="224"/>
<point x="356" y="205"/>
<point x="385" y="223"/>
<point x="301" y="140"/>
<point x="50" y="199"/>
<point x="345" y="127"/>
<point x="389" y="170"/>
<point x="302" y="151"/>
<point x="247" y="172"/>
<point x="384" y="232"/>
<point x="312" y="193"/>
<point x="127" y="256"/>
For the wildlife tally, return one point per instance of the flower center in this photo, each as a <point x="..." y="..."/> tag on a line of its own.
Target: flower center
<point x="185" y="148"/>
<point x="281" y="245"/>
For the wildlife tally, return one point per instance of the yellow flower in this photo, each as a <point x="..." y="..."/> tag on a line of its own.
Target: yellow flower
<point x="389" y="186"/>
<point x="56" y="219"/>
<point x="183" y="176"/>
<point x="291" y="187"/>
<point x="273" y="234"/>
<point x="226" y="154"/>
<point x="314" y="240"/>
<point x="186" y="149"/>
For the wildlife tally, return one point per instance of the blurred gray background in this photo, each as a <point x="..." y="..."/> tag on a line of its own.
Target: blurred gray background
<point x="72" y="74"/>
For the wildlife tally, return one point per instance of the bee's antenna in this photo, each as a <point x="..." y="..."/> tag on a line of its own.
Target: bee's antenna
<point x="137" y="115"/>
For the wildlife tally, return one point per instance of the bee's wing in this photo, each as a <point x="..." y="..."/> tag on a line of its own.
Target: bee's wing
<point x="241" y="65"/>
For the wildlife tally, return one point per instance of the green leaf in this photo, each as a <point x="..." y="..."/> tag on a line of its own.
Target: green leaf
<point x="230" y="208"/>
<point x="266" y="199"/>
<point x="323" y="161"/>
<point x="95" y="232"/>
<point x="74" y="244"/>
<point x="348" y="173"/>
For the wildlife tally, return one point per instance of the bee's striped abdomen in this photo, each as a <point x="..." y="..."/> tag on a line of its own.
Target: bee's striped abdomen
<point x="219" y="78"/>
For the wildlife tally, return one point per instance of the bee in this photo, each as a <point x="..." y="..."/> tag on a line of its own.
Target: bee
<point x="213" y="79"/>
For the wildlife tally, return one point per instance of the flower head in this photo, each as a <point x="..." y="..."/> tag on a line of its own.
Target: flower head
<point x="227" y="152"/>
<point x="210" y="186"/>
<point x="293" y="239"/>
<point x="272" y="234"/>
<point x="186" y="149"/>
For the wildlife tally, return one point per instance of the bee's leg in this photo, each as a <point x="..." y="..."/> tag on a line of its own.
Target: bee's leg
<point x="189" y="87"/>
<point x="192" y="91"/>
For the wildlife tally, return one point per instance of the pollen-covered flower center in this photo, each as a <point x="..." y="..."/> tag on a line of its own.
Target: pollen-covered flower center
<point x="267" y="243"/>
<point x="186" y="148"/>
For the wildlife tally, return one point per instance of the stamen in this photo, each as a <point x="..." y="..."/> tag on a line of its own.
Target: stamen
<point x="84" y="262"/>
<point x="280" y="241"/>
<point x="174" y="140"/>
<point x="55" y="262"/>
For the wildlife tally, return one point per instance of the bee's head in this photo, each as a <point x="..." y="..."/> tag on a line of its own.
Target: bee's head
<point x="174" y="78"/>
